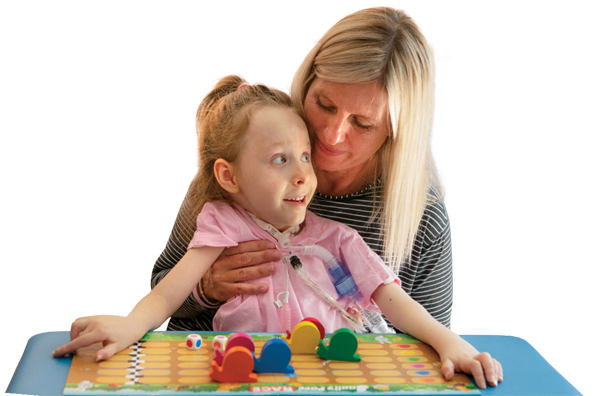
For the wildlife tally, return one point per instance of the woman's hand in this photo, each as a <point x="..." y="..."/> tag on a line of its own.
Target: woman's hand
<point x="463" y="357"/>
<point x="247" y="261"/>
<point x="115" y="332"/>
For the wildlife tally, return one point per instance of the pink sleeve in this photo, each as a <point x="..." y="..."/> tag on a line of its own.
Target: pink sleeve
<point x="367" y="268"/>
<point x="217" y="226"/>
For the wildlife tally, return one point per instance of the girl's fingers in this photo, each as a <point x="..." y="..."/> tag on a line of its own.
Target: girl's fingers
<point x="499" y="371"/>
<point x="476" y="371"/>
<point x="79" y="342"/>
<point x="107" y="352"/>
<point x="489" y="367"/>
<point x="482" y="367"/>
<point x="78" y="327"/>
<point x="448" y="369"/>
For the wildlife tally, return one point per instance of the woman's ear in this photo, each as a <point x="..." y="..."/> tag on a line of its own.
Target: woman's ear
<point x="224" y="173"/>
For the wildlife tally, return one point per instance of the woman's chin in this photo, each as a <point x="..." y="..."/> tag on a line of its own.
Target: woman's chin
<point x="326" y="163"/>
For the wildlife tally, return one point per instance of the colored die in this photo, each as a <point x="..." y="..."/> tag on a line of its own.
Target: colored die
<point x="193" y="341"/>
<point x="219" y="342"/>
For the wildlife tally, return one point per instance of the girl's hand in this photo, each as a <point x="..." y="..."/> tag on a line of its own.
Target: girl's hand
<point x="456" y="354"/>
<point x="247" y="261"/>
<point x="115" y="332"/>
<point x="463" y="357"/>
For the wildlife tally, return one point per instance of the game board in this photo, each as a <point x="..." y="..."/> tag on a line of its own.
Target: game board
<point x="160" y="364"/>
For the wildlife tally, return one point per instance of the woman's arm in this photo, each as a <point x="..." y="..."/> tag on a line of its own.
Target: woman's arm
<point x="117" y="333"/>
<point x="455" y="353"/>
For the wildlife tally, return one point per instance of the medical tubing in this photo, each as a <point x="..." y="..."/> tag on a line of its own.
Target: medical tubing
<point x="353" y="323"/>
<point x="285" y="318"/>
<point x="285" y="314"/>
<point x="346" y="286"/>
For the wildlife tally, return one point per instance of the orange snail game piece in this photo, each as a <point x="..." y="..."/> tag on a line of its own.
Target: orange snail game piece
<point x="218" y="356"/>
<point x="238" y="364"/>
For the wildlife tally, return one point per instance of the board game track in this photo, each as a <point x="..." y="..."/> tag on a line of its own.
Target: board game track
<point x="160" y="362"/>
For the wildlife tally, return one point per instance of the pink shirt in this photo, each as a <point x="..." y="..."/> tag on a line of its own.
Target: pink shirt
<point x="223" y="225"/>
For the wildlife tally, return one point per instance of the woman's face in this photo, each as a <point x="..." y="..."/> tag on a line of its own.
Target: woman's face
<point x="348" y="124"/>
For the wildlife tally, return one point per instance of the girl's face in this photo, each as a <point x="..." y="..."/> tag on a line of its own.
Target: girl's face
<point x="348" y="123"/>
<point x="274" y="171"/>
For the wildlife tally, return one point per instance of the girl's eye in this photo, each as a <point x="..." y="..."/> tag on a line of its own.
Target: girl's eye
<point x="306" y="158"/>
<point x="279" y="160"/>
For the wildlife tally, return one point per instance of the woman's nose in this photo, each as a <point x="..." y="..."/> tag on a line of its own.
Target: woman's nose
<point x="335" y="131"/>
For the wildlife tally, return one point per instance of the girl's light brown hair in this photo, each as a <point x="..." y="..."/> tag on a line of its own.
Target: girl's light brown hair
<point x="221" y="123"/>
<point x="385" y="46"/>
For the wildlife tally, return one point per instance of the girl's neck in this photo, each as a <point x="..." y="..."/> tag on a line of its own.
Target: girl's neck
<point x="283" y="237"/>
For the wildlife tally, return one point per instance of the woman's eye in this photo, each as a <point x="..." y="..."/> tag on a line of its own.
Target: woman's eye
<point x="328" y="109"/>
<point x="361" y="126"/>
<point x="306" y="158"/>
<point x="279" y="160"/>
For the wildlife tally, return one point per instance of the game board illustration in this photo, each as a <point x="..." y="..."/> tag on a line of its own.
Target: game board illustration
<point x="161" y="364"/>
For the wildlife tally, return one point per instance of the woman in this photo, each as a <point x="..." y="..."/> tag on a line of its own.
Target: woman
<point x="367" y="90"/>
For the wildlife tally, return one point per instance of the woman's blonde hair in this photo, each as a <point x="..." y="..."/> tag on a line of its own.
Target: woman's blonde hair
<point x="385" y="45"/>
<point x="222" y="120"/>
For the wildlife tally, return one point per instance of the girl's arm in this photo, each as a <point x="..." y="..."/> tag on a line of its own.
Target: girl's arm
<point x="117" y="333"/>
<point x="455" y="353"/>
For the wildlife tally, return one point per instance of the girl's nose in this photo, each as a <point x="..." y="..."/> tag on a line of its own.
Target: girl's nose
<point x="335" y="131"/>
<point x="301" y="175"/>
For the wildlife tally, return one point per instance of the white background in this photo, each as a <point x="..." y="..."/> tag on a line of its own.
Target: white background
<point x="97" y="106"/>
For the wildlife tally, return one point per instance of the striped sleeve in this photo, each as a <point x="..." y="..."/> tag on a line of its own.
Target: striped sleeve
<point x="428" y="277"/>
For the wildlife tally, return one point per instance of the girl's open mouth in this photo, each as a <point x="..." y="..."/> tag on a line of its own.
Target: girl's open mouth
<point x="297" y="199"/>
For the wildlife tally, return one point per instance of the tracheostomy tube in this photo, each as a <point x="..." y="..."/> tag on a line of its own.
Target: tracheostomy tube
<point x="346" y="286"/>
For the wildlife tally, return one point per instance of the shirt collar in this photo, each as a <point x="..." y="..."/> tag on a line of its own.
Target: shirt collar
<point x="282" y="237"/>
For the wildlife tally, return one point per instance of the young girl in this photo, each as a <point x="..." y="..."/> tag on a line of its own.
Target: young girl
<point x="255" y="182"/>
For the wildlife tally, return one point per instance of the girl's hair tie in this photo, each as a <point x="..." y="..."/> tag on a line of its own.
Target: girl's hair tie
<point x="242" y="85"/>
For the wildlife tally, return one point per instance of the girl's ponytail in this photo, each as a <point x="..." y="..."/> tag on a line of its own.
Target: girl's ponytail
<point x="224" y="87"/>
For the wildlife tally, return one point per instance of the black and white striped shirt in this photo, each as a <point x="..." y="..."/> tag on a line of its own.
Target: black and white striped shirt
<point x="427" y="278"/>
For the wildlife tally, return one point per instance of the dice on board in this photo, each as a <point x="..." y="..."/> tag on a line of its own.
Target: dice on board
<point x="193" y="341"/>
<point x="219" y="342"/>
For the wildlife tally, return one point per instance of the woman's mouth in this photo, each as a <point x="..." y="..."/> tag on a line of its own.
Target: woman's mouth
<point x="327" y="150"/>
